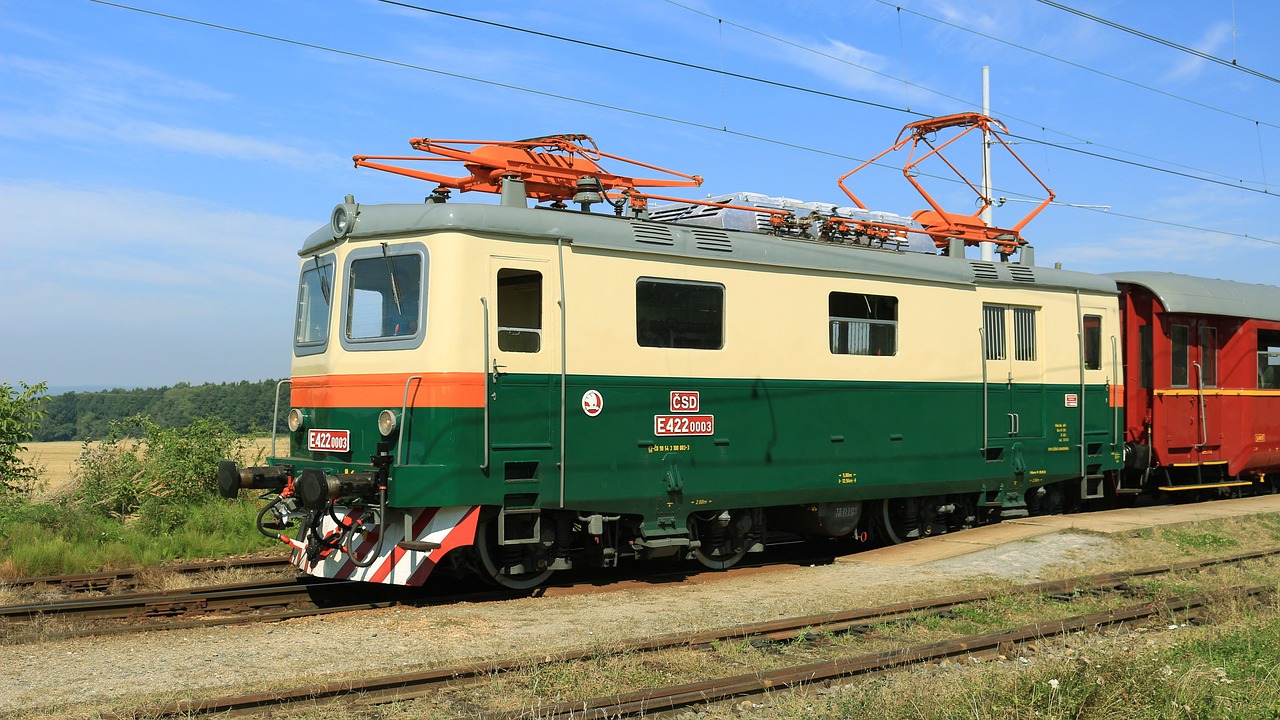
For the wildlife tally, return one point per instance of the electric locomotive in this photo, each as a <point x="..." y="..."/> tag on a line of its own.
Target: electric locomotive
<point x="509" y="390"/>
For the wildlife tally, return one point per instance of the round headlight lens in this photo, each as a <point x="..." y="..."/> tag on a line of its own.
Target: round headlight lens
<point x="386" y="422"/>
<point x="295" y="419"/>
<point x="341" y="221"/>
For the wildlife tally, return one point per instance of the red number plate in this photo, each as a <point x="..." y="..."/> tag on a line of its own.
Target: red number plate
<point x="329" y="440"/>
<point x="684" y="425"/>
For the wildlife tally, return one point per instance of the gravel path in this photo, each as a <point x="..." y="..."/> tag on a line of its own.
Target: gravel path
<point x="76" y="675"/>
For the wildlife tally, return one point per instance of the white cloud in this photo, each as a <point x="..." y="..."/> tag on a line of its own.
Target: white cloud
<point x="106" y="100"/>
<point x="142" y="288"/>
<point x="1190" y="67"/>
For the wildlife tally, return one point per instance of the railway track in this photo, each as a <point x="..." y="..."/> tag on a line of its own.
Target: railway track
<point x="289" y="598"/>
<point x="407" y="686"/>
<point x="115" y="580"/>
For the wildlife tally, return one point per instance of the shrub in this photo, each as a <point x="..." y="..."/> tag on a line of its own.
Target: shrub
<point x="158" y="475"/>
<point x="20" y="412"/>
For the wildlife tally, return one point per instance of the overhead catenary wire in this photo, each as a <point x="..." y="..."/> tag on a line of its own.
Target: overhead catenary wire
<point x="604" y="106"/>
<point x="1078" y="66"/>
<point x="1237" y="182"/>
<point x="1162" y="41"/>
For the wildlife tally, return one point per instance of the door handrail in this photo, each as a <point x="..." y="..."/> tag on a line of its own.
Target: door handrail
<point x="275" y="413"/>
<point x="1204" y="431"/>
<point x="404" y="405"/>
<point x="484" y="367"/>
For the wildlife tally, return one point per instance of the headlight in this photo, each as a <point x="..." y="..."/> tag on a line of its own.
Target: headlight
<point x="344" y="216"/>
<point x="386" y="422"/>
<point x="295" y="419"/>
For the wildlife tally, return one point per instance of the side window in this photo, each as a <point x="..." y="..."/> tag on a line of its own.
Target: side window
<point x="1269" y="359"/>
<point x="993" y="332"/>
<point x="1092" y="342"/>
<point x="1024" y="334"/>
<point x="519" y="310"/>
<point x="1209" y="356"/>
<point x="1180" y="336"/>
<point x="315" y="302"/>
<point x="679" y="314"/>
<point x="1146" y="361"/>
<point x="863" y="324"/>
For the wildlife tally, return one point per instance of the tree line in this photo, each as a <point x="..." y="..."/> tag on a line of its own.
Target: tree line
<point x="246" y="406"/>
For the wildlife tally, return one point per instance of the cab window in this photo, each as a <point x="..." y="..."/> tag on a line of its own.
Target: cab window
<point x="384" y="299"/>
<point x="519" y="310"/>
<point x="315" y="300"/>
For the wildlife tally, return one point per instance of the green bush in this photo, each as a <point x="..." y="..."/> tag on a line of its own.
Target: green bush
<point x="20" y="412"/>
<point x="156" y="476"/>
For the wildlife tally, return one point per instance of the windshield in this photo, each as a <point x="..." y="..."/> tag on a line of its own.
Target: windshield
<point x="383" y="299"/>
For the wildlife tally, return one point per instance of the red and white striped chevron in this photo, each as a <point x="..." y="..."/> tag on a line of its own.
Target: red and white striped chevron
<point x="450" y="527"/>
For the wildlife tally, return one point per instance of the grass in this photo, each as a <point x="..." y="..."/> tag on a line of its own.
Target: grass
<point x="52" y="539"/>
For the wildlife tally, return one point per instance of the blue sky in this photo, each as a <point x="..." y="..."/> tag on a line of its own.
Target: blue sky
<point x="158" y="176"/>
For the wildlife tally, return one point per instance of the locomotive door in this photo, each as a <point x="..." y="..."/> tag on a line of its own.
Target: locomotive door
<point x="522" y="371"/>
<point x="1099" y="367"/>
<point x="1014" y="374"/>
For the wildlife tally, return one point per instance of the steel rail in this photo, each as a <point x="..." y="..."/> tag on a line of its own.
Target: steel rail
<point x="174" y="602"/>
<point x="406" y="686"/>
<point x="82" y="582"/>
<point x="670" y="698"/>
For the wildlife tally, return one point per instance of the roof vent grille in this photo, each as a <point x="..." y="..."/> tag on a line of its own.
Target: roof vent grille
<point x="713" y="240"/>
<point x="984" y="271"/>
<point x="1021" y="273"/>
<point x="652" y="234"/>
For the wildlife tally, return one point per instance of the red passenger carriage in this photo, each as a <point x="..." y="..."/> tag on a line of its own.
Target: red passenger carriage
<point x="1202" y="383"/>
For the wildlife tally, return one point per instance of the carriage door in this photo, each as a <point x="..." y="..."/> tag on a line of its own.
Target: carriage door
<point x="1014" y="385"/>
<point x="1192" y="406"/>
<point x="522" y="374"/>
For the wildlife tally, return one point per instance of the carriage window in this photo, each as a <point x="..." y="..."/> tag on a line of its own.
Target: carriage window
<point x="1209" y="356"/>
<point x="384" y="296"/>
<point x="993" y="331"/>
<point x="1092" y="342"/>
<point x="863" y="324"/>
<point x="519" y="310"/>
<point x="1145" y="357"/>
<point x="315" y="298"/>
<point x="1181" y="337"/>
<point x="679" y="314"/>
<point x="1269" y="359"/>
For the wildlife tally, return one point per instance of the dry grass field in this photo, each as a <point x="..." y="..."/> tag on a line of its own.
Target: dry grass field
<point x="56" y="461"/>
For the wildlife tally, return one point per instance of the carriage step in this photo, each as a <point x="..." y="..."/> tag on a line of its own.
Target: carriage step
<point x="1206" y="486"/>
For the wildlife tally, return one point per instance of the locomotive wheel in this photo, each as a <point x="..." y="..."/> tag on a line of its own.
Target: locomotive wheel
<point x="494" y="559"/>
<point x="721" y="546"/>
<point x="897" y="520"/>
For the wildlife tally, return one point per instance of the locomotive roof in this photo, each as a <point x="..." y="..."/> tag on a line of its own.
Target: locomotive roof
<point x="607" y="232"/>
<point x="1207" y="296"/>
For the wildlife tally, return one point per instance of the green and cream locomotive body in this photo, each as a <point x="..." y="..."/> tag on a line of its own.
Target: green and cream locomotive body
<point x="514" y="390"/>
